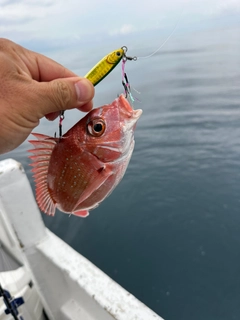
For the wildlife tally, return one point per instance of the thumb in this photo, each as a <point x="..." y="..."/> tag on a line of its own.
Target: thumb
<point x="63" y="94"/>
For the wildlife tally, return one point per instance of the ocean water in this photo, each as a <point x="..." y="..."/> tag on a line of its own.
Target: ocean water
<point x="170" y="232"/>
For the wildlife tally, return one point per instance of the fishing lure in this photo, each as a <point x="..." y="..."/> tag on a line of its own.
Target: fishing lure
<point x="105" y="66"/>
<point x="102" y="69"/>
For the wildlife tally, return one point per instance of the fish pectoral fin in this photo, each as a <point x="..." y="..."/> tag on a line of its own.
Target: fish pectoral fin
<point x="81" y="213"/>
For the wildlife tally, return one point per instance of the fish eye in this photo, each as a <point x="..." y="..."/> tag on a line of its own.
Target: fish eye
<point x="96" y="127"/>
<point x="118" y="53"/>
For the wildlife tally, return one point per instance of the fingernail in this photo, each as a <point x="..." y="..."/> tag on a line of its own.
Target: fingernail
<point x="84" y="90"/>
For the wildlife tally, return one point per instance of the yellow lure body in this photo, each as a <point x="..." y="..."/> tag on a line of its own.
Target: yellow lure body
<point x="105" y="66"/>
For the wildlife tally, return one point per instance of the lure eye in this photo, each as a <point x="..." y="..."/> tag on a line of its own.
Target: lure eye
<point x="118" y="53"/>
<point x="96" y="127"/>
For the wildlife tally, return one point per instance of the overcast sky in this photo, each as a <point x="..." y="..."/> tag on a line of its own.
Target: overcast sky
<point x="54" y="22"/>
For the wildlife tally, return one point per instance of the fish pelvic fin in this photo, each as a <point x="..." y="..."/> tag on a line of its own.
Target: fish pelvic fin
<point x="104" y="172"/>
<point x="42" y="152"/>
<point x="81" y="213"/>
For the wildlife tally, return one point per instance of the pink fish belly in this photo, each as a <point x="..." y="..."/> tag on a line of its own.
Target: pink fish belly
<point x="72" y="177"/>
<point x="105" y="189"/>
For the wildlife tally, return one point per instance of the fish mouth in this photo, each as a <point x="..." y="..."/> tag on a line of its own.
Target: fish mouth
<point x="137" y="113"/>
<point x="127" y="112"/>
<point x="130" y="123"/>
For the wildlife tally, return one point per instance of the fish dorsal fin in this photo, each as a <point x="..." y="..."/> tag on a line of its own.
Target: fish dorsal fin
<point x="40" y="161"/>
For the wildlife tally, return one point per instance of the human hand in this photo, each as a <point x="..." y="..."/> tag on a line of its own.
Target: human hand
<point x="33" y="86"/>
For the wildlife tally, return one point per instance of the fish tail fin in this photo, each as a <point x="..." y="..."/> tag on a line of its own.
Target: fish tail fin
<point x="42" y="152"/>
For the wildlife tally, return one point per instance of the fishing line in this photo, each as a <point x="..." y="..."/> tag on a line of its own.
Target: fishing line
<point x="170" y="35"/>
<point x="164" y="42"/>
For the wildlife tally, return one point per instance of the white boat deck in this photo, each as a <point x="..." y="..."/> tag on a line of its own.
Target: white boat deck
<point x="7" y="262"/>
<point x="69" y="286"/>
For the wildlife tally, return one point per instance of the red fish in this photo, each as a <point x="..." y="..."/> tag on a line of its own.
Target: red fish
<point x="78" y="171"/>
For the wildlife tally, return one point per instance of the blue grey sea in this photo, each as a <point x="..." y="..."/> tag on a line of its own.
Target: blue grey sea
<point x="170" y="232"/>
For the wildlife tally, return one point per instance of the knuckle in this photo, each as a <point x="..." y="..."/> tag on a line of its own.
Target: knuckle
<point x="61" y="93"/>
<point x="4" y="43"/>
